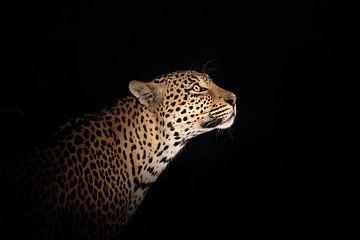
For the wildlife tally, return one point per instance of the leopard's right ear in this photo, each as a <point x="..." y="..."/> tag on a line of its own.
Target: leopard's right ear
<point x="147" y="92"/>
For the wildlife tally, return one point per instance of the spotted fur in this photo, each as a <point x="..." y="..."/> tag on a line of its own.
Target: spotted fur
<point x="90" y="180"/>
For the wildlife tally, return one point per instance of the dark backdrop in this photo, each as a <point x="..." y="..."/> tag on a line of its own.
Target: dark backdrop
<point x="278" y="171"/>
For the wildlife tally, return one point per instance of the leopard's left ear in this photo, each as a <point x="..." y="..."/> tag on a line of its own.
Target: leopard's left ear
<point x="147" y="92"/>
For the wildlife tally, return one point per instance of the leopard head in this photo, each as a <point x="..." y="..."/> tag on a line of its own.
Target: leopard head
<point x="189" y="102"/>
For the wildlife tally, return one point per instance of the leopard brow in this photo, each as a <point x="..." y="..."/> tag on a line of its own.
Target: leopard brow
<point x="197" y="80"/>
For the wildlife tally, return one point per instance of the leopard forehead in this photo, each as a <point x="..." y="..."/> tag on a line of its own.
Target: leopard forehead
<point x="185" y="78"/>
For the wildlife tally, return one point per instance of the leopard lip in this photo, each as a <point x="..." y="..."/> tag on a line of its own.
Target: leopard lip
<point x="227" y="123"/>
<point x="230" y="118"/>
<point x="211" y="123"/>
<point x="214" y="122"/>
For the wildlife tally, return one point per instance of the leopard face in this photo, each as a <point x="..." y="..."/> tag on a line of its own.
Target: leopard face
<point x="189" y="101"/>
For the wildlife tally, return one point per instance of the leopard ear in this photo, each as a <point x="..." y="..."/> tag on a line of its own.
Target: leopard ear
<point x="146" y="92"/>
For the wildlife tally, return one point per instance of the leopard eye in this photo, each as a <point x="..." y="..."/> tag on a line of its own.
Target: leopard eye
<point x="197" y="88"/>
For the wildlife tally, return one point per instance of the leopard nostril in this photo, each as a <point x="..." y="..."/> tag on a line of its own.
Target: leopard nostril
<point x="231" y="99"/>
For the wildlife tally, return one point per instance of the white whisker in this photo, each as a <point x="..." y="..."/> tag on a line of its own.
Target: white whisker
<point x="217" y="133"/>
<point x="228" y="130"/>
<point x="203" y="70"/>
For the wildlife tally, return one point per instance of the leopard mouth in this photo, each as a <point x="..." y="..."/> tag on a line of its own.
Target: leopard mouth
<point x="228" y="122"/>
<point x="214" y="122"/>
<point x="211" y="123"/>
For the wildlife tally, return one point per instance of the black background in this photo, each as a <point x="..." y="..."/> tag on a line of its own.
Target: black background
<point x="283" y="167"/>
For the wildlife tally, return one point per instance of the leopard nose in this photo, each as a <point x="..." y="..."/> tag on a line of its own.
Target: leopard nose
<point x="231" y="99"/>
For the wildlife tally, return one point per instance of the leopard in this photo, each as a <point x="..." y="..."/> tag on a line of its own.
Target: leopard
<point x="88" y="181"/>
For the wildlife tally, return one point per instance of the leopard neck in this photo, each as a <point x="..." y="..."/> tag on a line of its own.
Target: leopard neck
<point x="146" y="143"/>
